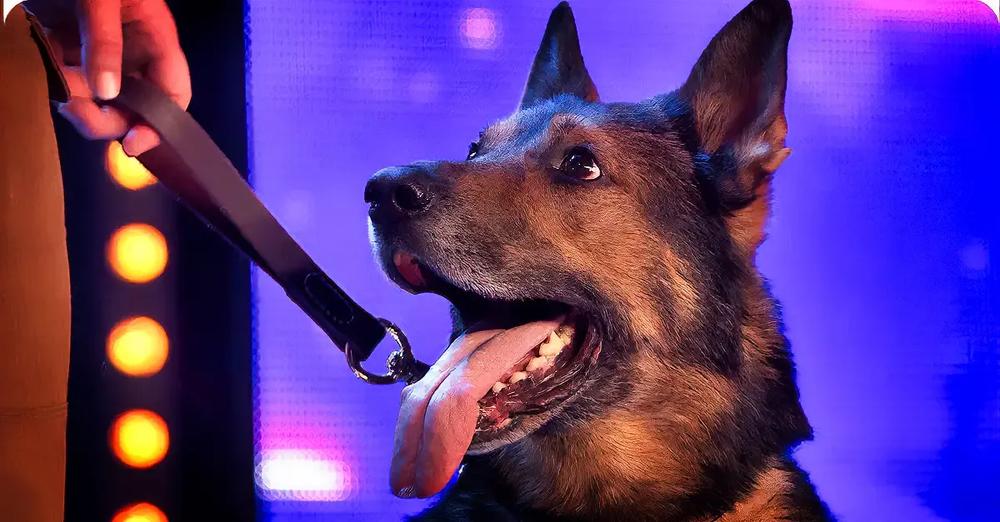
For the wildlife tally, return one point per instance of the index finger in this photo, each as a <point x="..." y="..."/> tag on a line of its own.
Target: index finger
<point x="101" y="39"/>
<point x="168" y="67"/>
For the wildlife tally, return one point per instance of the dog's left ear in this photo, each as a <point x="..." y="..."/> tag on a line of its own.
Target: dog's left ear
<point x="737" y="94"/>
<point x="558" y="67"/>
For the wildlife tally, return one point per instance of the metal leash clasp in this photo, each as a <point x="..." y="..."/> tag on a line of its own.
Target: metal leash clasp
<point x="401" y="366"/>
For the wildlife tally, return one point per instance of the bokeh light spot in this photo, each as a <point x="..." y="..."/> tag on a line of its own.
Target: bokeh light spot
<point x="140" y="438"/>
<point x="138" y="346"/>
<point x="137" y="253"/>
<point x="480" y="28"/>
<point x="141" y="512"/>
<point x="125" y="170"/>
<point x="294" y="474"/>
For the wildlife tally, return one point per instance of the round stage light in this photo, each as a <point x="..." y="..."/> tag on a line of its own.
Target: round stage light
<point x="301" y="474"/>
<point x="125" y="170"/>
<point x="141" y="512"/>
<point x="138" y="346"/>
<point x="139" y="438"/>
<point x="137" y="253"/>
<point x="480" y="28"/>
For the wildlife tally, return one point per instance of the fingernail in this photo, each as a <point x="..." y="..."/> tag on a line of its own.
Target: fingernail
<point x="129" y="145"/>
<point x="407" y="492"/>
<point x="107" y="85"/>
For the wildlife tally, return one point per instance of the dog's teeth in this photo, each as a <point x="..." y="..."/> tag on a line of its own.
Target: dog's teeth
<point x="537" y="363"/>
<point x="552" y="346"/>
<point x="498" y="387"/>
<point x="504" y="424"/>
<point x="517" y="377"/>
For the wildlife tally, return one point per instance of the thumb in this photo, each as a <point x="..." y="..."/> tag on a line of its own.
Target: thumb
<point x="101" y="39"/>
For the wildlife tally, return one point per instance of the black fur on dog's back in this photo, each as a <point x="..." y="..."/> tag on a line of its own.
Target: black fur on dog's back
<point x="692" y="410"/>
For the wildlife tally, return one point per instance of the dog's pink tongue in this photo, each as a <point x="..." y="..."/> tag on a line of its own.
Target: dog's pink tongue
<point x="437" y="418"/>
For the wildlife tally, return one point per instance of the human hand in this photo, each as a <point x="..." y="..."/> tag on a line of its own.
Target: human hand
<point x="101" y="41"/>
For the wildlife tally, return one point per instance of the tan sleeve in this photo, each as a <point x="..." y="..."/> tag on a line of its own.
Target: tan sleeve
<point x="34" y="287"/>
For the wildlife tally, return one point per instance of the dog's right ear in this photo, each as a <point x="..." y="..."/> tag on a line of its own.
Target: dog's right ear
<point x="558" y="67"/>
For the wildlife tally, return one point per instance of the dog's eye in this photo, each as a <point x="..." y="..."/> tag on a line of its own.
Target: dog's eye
<point x="473" y="150"/>
<point x="581" y="164"/>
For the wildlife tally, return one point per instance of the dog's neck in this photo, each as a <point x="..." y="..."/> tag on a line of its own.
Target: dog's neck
<point x="686" y="443"/>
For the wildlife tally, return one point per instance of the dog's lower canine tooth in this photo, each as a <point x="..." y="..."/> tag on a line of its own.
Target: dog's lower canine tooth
<point x="517" y="377"/>
<point x="498" y="387"/>
<point x="552" y="346"/>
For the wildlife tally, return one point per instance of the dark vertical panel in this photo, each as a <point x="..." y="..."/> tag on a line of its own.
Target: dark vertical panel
<point x="202" y="300"/>
<point x="215" y="437"/>
<point x="214" y="394"/>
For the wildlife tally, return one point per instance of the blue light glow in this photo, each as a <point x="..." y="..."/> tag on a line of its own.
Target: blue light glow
<point x="883" y="247"/>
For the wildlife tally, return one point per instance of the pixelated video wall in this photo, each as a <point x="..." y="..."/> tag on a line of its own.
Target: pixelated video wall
<point x="884" y="247"/>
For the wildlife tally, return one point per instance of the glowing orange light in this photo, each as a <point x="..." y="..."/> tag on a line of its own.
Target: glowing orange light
<point x="138" y="346"/>
<point x="126" y="171"/>
<point x="141" y="512"/>
<point x="140" y="438"/>
<point x="137" y="253"/>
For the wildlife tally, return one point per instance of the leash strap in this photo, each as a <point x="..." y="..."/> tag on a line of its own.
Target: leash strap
<point x="191" y="165"/>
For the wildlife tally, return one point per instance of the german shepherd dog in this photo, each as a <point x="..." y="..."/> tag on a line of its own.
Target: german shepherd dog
<point x="616" y="354"/>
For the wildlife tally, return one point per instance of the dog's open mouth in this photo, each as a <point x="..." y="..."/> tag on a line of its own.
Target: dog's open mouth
<point x="537" y="381"/>
<point x="511" y="369"/>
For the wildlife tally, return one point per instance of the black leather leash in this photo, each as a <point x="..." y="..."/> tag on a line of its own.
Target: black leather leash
<point x="191" y="165"/>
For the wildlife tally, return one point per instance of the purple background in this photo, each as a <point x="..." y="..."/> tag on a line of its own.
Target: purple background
<point x="883" y="247"/>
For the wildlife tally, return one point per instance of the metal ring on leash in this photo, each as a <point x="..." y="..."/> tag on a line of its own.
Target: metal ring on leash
<point x="400" y="366"/>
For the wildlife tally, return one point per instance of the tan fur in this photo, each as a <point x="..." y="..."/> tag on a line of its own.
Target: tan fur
<point x="612" y="248"/>
<point x="689" y="407"/>
<point x="628" y="449"/>
<point x="651" y="445"/>
<point x="678" y="281"/>
<point x="607" y="238"/>
<point x="760" y="157"/>
<point x="766" y="502"/>
<point x="612" y="456"/>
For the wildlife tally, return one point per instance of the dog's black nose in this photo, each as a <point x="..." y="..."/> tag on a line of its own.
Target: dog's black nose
<point x="396" y="193"/>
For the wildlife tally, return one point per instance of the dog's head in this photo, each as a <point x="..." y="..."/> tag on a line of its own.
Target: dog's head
<point x="589" y="248"/>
